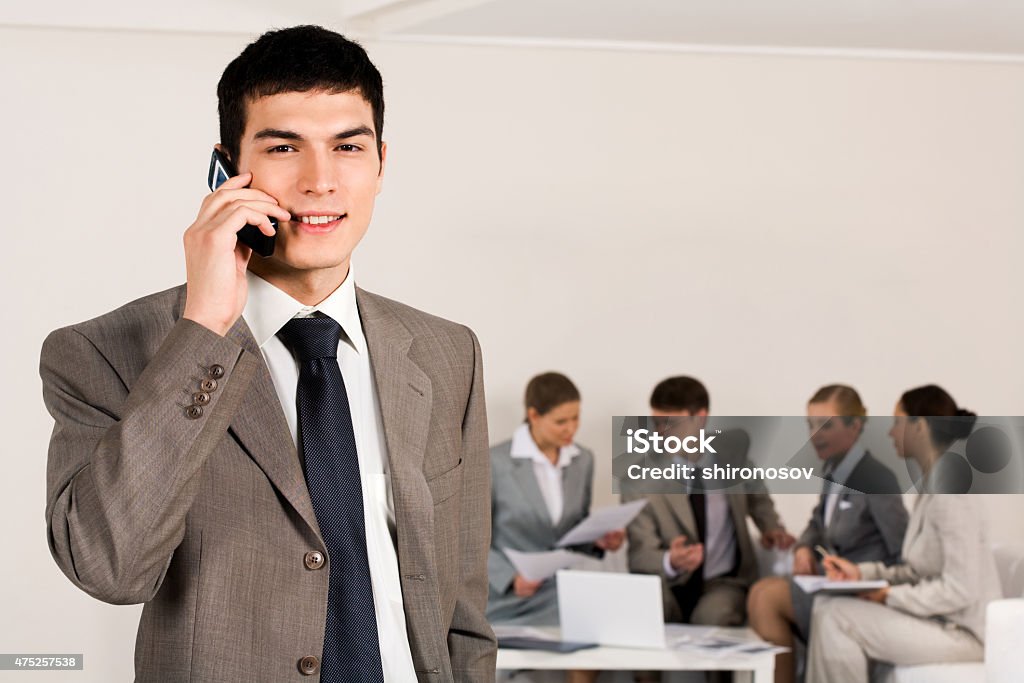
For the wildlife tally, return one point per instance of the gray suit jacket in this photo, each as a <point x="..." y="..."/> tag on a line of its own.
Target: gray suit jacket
<point x="520" y="521"/>
<point x="948" y="569"/>
<point x="207" y="520"/>
<point x="864" y="527"/>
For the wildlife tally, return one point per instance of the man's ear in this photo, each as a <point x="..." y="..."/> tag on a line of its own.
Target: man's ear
<point x="383" y="161"/>
<point x="224" y="150"/>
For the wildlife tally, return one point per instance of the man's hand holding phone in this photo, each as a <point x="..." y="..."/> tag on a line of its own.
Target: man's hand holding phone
<point x="685" y="556"/>
<point x="215" y="261"/>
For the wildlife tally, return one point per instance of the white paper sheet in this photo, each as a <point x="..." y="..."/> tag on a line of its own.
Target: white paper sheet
<point x="537" y="566"/>
<point x="813" y="584"/>
<point x="601" y="522"/>
<point x="712" y="641"/>
<point x="514" y="631"/>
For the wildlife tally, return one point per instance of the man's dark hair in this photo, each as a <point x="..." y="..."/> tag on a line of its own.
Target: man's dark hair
<point x="297" y="59"/>
<point x="680" y="393"/>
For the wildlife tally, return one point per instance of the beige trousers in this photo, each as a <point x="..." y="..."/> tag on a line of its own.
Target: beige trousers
<point x="848" y="632"/>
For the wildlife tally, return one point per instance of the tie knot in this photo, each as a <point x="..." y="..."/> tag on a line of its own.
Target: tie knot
<point x="311" y="338"/>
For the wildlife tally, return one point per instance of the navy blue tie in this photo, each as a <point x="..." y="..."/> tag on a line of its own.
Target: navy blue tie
<point x="328" y="444"/>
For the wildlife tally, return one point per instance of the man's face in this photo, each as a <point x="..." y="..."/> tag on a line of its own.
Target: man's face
<point x="680" y="423"/>
<point x="316" y="153"/>
<point x="830" y="434"/>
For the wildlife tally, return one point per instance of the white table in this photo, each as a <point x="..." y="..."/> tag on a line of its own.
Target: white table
<point x="751" y="668"/>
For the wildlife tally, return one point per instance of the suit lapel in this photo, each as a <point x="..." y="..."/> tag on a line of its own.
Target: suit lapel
<point x="522" y="471"/>
<point x="917" y="517"/>
<point x="573" y="488"/>
<point x="405" y="395"/>
<point x="404" y="390"/>
<point x="679" y="506"/>
<point x="738" y="512"/>
<point x="262" y="429"/>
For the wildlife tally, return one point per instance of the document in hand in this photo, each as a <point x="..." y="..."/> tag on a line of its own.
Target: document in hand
<point x="815" y="584"/>
<point x="537" y="566"/>
<point x="601" y="522"/>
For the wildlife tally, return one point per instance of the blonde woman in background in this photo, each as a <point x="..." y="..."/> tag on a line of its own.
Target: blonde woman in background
<point x="847" y="522"/>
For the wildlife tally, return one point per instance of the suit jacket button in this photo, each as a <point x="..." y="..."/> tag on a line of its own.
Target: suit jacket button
<point x="309" y="665"/>
<point x="200" y="398"/>
<point x="216" y="371"/>
<point x="314" y="560"/>
<point x="194" y="412"/>
<point x="208" y="385"/>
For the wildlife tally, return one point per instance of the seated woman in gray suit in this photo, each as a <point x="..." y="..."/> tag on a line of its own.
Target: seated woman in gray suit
<point x="934" y="609"/>
<point x="861" y="527"/>
<point x="540" y="488"/>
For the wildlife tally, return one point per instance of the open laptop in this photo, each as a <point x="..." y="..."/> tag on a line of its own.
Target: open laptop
<point x="610" y="608"/>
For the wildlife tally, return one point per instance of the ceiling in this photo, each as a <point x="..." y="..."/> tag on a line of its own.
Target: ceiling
<point x="945" y="29"/>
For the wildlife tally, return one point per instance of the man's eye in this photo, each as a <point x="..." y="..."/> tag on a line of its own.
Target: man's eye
<point x="280" y="148"/>
<point x="349" y="148"/>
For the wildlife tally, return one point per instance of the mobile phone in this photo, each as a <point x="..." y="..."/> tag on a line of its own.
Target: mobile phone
<point x="221" y="169"/>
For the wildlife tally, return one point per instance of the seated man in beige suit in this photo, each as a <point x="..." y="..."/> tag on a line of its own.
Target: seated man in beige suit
<point x="698" y="541"/>
<point x="290" y="472"/>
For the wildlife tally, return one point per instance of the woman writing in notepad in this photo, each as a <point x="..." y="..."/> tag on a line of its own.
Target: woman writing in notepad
<point x="934" y="608"/>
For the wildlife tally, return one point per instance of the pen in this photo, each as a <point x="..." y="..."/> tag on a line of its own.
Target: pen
<point x="825" y="555"/>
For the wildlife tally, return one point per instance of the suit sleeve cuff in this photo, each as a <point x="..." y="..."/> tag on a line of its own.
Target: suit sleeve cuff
<point x="667" y="566"/>
<point x="869" y="571"/>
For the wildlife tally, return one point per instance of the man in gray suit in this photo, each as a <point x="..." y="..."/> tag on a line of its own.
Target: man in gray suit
<point x="698" y="541"/>
<point x="290" y="472"/>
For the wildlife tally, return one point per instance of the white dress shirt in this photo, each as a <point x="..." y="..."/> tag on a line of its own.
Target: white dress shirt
<point x="720" y="543"/>
<point x="548" y="474"/>
<point x="266" y="312"/>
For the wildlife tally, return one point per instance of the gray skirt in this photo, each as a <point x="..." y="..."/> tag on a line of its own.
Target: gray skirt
<point x="803" y="603"/>
<point x="540" y="609"/>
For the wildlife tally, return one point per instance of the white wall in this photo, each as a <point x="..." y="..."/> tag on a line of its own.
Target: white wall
<point x="767" y="224"/>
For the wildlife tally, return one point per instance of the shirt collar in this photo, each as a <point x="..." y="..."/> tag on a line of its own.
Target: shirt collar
<point x="841" y="471"/>
<point x="268" y="308"/>
<point x="523" y="446"/>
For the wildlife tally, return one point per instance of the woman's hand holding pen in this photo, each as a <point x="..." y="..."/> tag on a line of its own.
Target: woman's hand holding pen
<point x="840" y="569"/>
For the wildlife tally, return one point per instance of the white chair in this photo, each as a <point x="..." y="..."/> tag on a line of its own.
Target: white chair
<point x="1010" y="564"/>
